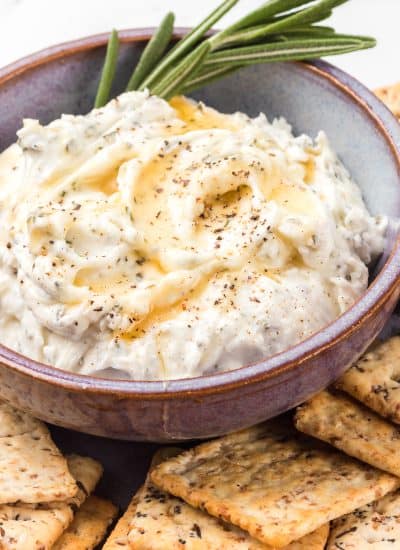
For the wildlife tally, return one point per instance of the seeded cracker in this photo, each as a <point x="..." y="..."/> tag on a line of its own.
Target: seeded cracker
<point x="23" y="528"/>
<point x="391" y="96"/>
<point x="352" y="428"/>
<point x="118" y="539"/>
<point x="25" y="446"/>
<point x="158" y="521"/>
<point x="375" y="379"/>
<point x="162" y="521"/>
<point x="39" y="527"/>
<point x="89" y="526"/>
<point x="272" y="482"/>
<point x="373" y="527"/>
<point x="87" y="472"/>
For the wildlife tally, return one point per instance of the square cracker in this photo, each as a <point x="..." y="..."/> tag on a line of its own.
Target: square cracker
<point x="39" y="526"/>
<point x="158" y="521"/>
<point x="25" y="447"/>
<point x="314" y="541"/>
<point x="16" y="422"/>
<point x="89" y="526"/>
<point x="375" y="526"/>
<point x="352" y="428"/>
<point x="87" y="473"/>
<point x="23" y="528"/>
<point x="272" y="482"/>
<point x="118" y="539"/>
<point x="375" y="379"/>
<point x="391" y="96"/>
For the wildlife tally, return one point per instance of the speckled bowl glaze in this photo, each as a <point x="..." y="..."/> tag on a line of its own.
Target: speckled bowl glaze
<point x="63" y="79"/>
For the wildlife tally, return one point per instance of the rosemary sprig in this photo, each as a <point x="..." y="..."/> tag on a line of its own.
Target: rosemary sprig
<point x="254" y="34"/>
<point x="152" y="52"/>
<point x="278" y="30"/>
<point x="108" y="73"/>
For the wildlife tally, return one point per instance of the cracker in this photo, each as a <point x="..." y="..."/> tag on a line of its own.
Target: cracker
<point x="313" y="541"/>
<point x="391" y="96"/>
<point x="15" y="422"/>
<point x="89" y="526"/>
<point x="87" y="473"/>
<point x="272" y="482"/>
<point x="118" y="539"/>
<point x="23" y="528"/>
<point x="375" y="526"/>
<point x="163" y="521"/>
<point x="375" y="379"/>
<point x="38" y="527"/>
<point x="156" y="521"/>
<point x="32" y="469"/>
<point x="352" y="428"/>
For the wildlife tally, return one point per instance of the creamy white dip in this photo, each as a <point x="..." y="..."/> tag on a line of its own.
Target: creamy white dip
<point x="154" y="240"/>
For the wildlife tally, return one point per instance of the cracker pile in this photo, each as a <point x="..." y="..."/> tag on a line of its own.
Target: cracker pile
<point x="327" y="479"/>
<point x="44" y="495"/>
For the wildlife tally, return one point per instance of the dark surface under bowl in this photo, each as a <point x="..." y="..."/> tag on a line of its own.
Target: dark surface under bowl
<point x="311" y="97"/>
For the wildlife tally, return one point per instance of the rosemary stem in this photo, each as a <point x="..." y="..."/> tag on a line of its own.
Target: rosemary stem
<point x="153" y="52"/>
<point x="109" y="68"/>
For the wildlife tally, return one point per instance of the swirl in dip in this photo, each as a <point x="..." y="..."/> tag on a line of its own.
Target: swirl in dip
<point x="154" y="240"/>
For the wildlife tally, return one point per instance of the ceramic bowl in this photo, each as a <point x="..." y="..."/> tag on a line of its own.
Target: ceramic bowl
<point x="313" y="96"/>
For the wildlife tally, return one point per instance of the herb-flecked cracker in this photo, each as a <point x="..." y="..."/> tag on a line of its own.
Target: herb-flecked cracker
<point x="16" y="422"/>
<point x="373" y="527"/>
<point x="118" y="539"/>
<point x="38" y="527"/>
<point x="32" y="469"/>
<point x="352" y="428"/>
<point x="23" y="528"/>
<point x="314" y="541"/>
<point x="89" y="525"/>
<point x="163" y="521"/>
<point x="272" y="482"/>
<point x="375" y="379"/>
<point x="391" y="96"/>
<point x="87" y="472"/>
<point x="156" y="520"/>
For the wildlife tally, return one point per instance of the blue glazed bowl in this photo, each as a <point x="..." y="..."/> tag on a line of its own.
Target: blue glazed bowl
<point x="313" y="96"/>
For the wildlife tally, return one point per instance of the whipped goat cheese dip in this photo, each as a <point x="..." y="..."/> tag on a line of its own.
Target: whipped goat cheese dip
<point x="155" y="240"/>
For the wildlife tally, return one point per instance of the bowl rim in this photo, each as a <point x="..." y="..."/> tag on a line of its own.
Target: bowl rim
<point x="386" y="282"/>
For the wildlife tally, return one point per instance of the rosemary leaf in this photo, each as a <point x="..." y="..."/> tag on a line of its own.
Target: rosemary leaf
<point x="288" y="50"/>
<point x="172" y="83"/>
<point x="308" y="16"/>
<point x="283" y="21"/>
<point x="186" y="44"/>
<point x="261" y="15"/>
<point x="108" y="73"/>
<point x="152" y="52"/>
<point x="254" y="34"/>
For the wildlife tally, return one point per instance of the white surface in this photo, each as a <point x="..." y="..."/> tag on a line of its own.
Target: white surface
<point x="29" y="25"/>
